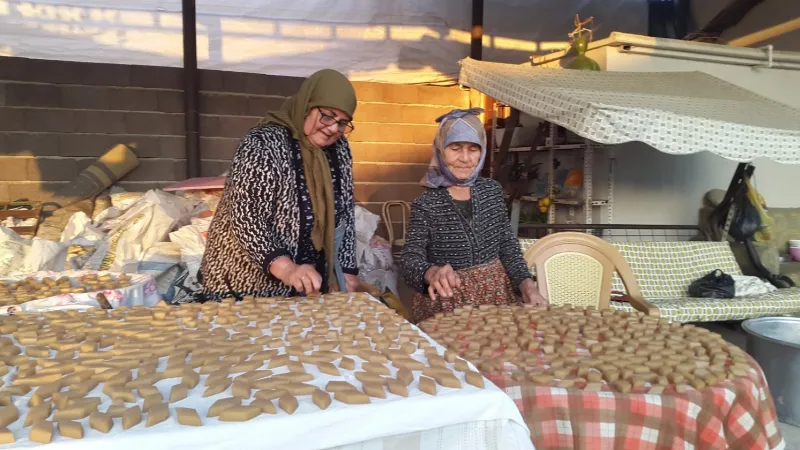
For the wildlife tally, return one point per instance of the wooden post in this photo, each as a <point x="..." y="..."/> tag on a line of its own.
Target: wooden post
<point x="511" y="124"/>
<point x="766" y="34"/>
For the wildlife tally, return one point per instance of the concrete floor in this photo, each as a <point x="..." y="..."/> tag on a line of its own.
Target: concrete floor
<point x="791" y="435"/>
<point x="735" y="335"/>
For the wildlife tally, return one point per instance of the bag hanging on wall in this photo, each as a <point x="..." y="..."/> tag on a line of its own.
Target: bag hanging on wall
<point x="716" y="284"/>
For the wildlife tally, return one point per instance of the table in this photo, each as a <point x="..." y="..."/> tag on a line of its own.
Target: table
<point x="737" y="414"/>
<point x="566" y="408"/>
<point x="281" y="338"/>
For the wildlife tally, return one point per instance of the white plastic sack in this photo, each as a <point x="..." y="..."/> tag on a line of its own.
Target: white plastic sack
<point x="20" y="255"/>
<point x="366" y="224"/>
<point x="375" y="255"/>
<point x="192" y="242"/>
<point x="382" y="279"/>
<point x="80" y="225"/>
<point x="13" y="251"/>
<point x="147" y="222"/>
<point x="103" y="218"/>
<point x="82" y="239"/>
<point x="122" y="199"/>
<point x="79" y="252"/>
<point x="372" y="252"/>
<point x="46" y="255"/>
<point x="203" y="201"/>
<point x="161" y="261"/>
<point x="142" y="291"/>
<point x="745" y="286"/>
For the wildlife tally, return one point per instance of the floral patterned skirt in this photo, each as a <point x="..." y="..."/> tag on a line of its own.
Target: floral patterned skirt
<point x="485" y="284"/>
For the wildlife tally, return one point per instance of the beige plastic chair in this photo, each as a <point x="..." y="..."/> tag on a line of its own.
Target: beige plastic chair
<point x="577" y="269"/>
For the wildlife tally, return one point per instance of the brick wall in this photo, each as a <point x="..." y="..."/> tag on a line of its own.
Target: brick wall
<point x="56" y="117"/>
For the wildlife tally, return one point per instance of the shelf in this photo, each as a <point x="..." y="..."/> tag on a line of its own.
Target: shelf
<point x="553" y="141"/>
<point x="545" y="147"/>
<point x="561" y="201"/>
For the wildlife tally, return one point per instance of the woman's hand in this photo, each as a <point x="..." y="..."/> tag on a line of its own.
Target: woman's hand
<point x="442" y="280"/>
<point x="530" y="293"/>
<point x="303" y="278"/>
<point x="352" y="282"/>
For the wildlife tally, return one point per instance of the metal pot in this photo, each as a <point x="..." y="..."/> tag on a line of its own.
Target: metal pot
<point x="774" y="342"/>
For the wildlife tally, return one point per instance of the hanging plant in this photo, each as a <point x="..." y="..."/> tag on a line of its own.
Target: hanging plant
<point x="580" y="44"/>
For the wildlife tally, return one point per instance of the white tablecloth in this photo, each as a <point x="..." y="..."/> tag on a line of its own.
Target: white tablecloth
<point x="468" y="418"/>
<point x="487" y="435"/>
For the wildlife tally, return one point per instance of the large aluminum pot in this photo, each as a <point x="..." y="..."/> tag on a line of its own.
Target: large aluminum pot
<point x="774" y="342"/>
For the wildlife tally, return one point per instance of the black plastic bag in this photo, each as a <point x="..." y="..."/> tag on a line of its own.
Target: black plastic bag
<point x="746" y="220"/>
<point x="716" y="284"/>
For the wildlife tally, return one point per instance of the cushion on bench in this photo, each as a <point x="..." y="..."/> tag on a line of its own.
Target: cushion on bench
<point x="690" y="309"/>
<point x="664" y="271"/>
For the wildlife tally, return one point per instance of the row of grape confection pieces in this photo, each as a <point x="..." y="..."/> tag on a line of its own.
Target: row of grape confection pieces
<point x="110" y="368"/>
<point x="30" y="288"/>
<point x="590" y="349"/>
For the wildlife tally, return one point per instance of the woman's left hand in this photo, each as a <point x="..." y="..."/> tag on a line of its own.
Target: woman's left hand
<point x="351" y="282"/>
<point x="530" y="293"/>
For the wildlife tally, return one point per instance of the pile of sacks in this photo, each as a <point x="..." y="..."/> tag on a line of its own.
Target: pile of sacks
<point x="155" y="233"/>
<point x="163" y="235"/>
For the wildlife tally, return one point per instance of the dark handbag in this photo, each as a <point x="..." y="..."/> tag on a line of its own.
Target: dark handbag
<point x="716" y="284"/>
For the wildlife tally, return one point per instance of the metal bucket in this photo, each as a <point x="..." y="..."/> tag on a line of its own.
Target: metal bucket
<point x="774" y="342"/>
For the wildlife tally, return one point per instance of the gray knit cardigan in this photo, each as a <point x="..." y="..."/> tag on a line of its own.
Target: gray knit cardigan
<point x="438" y="234"/>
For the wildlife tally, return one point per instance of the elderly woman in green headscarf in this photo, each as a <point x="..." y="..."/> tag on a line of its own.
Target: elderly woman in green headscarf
<point x="460" y="249"/>
<point x="286" y="222"/>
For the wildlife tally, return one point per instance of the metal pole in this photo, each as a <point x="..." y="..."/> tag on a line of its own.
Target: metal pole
<point x="190" y="91"/>
<point x="476" y="47"/>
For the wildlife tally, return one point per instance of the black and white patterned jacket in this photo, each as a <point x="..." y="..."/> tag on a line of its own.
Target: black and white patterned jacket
<point x="258" y="218"/>
<point x="438" y="234"/>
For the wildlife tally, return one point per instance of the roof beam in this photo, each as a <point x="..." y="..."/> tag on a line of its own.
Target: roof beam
<point x="476" y="45"/>
<point x="190" y="89"/>
<point x="725" y="19"/>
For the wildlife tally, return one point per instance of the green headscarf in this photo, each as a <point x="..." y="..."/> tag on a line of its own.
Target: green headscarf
<point x="326" y="88"/>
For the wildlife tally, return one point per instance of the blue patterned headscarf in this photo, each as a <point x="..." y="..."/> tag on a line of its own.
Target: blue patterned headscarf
<point x="459" y="125"/>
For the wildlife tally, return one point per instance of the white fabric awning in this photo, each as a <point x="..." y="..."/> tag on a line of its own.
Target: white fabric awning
<point x="403" y="42"/>
<point x="674" y="112"/>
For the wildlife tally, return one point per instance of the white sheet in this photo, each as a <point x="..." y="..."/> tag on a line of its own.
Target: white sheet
<point x="679" y="113"/>
<point x="309" y="428"/>
<point x="491" y="435"/>
<point x="409" y="41"/>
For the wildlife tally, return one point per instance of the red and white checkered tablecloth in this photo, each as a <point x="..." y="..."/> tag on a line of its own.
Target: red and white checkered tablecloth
<point x="737" y="414"/>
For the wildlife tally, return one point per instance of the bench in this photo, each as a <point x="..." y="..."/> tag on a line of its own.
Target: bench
<point x="664" y="271"/>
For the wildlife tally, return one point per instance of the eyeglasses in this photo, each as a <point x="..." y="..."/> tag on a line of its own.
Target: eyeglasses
<point x="344" y="126"/>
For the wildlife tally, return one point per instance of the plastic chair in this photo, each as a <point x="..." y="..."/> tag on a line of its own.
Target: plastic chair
<point x="577" y="269"/>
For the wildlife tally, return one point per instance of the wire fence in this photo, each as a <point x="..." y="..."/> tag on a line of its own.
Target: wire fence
<point x="620" y="233"/>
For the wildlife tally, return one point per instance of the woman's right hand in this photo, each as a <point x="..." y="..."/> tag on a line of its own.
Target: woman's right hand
<point x="442" y="280"/>
<point x="303" y="277"/>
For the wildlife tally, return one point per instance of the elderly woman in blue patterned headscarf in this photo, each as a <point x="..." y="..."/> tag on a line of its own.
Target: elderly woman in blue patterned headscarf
<point x="460" y="249"/>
